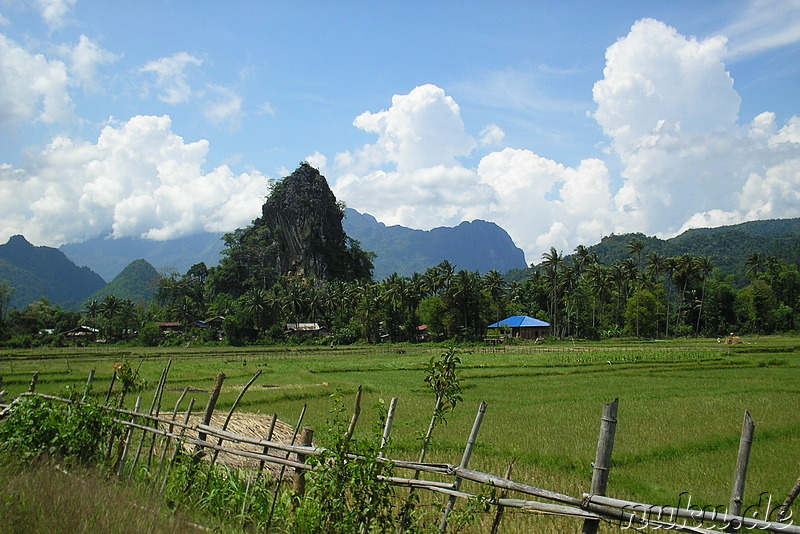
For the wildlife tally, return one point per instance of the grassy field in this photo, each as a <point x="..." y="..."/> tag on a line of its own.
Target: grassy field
<point x="680" y="416"/>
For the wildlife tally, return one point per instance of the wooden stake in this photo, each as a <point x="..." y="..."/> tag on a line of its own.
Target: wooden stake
<point x="602" y="461"/>
<point x="306" y="437"/>
<point x="498" y="516"/>
<point x="387" y="427"/>
<point x="127" y="444"/>
<point x="34" y="381"/>
<point x="473" y="437"/>
<point x="737" y="496"/>
<point x="230" y="414"/>
<point x="789" y="500"/>
<point x="85" y="391"/>
<point x="178" y="445"/>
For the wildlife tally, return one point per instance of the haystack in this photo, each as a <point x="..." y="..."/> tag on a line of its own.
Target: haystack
<point x="251" y="425"/>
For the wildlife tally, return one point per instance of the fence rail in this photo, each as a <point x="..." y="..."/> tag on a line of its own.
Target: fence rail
<point x="592" y="507"/>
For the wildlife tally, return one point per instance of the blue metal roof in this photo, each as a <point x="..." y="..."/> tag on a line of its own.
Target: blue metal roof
<point x="518" y="321"/>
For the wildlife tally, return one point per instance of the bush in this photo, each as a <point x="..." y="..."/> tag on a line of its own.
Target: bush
<point x="72" y="431"/>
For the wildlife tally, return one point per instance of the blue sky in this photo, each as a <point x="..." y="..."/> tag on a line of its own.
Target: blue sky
<point x="562" y="122"/>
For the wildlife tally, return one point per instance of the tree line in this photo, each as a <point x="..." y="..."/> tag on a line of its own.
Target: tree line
<point x="645" y="295"/>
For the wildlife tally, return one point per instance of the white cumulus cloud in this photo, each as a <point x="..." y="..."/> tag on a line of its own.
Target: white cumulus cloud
<point x="85" y="57"/>
<point x="32" y="87"/>
<point x="171" y="76"/>
<point x="139" y="179"/>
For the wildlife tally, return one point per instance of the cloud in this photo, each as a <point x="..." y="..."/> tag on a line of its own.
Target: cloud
<point x="32" y="87"/>
<point x="764" y="25"/>
<point x="138" y="179"/>
<point x="85" y="57"/>
<point x="171" y="76"/>
<point x="54" y="12"/>
<point x="412" y="176"/>
<point x="667" y="104"/>
<point x="224" y="106"/>
<point x="492" y="135"/>
<point x="420" y="129"/>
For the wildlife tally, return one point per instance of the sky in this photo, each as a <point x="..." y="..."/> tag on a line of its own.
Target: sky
<point x="562" y="122"/>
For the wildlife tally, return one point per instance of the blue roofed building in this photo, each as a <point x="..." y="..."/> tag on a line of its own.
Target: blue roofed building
<point x="523" y="327"/>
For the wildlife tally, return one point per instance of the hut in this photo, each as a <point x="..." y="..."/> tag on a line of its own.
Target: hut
<point x="522" y="326"/>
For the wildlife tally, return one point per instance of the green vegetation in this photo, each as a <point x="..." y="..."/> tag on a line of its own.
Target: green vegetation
<point x="681" y="406"/>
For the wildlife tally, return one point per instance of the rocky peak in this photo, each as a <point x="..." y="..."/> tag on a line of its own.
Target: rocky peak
<point x="303" y="224"/>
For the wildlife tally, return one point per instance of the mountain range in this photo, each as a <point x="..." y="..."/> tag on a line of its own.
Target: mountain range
<point x="474" y="246"/>
<point x="36" y="272"/>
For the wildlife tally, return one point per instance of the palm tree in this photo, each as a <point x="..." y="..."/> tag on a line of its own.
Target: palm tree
<point x="495" y="287"/>
<point x="552" y="261"/>
<point x="635" y="246"/>
<point x="704" y="267"/>
<point x="668" y="267"/>
<point x="756" y="264"/>
<point x="685" y="270"/>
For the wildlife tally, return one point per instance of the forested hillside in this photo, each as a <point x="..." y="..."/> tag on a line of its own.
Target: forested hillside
<point x="44" y="272"/>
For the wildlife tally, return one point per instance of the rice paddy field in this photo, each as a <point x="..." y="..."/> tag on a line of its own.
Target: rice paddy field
<point x="681" y="407"/>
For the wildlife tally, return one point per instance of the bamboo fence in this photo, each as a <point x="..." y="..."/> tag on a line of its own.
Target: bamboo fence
<point x="233" y="440"/>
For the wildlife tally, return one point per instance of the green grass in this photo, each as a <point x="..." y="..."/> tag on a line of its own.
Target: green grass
<point x="680" y="415"/>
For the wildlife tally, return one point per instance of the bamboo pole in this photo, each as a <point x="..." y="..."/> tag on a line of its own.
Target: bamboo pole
<point x="473" y="437"/>
<point x="89" y="382"/>
<point x="150" y="412"/>
<point x="387" y="427"/>
<point x="498" y="516"/>
<point x="283" y="469"/>
<point x="127" y="444"/>
<point x="602" y="462"/>
<point x="111" y="386"/>
<point x="672" y="514"/>
<point x="34" y="381"/>
<point x="789" y="500"/>
<point x="306" y="437"/>
<point x="743" y="460"/>
<point x="165" y="442"/>
<point x="160" y="394"/>
<point x="177" y="445"/>
<point x="230" y="415"/>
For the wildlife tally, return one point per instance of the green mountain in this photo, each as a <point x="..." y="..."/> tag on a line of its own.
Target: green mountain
<point x="137" y="282"/>
<point x="473" y="246"/>
<point x="36" y="272"/>
<point x="728" y="246"/>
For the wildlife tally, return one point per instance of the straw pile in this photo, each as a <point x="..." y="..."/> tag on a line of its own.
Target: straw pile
<point x="251" y="425"/>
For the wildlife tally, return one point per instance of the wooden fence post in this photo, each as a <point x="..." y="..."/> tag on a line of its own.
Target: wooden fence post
<point x="125" y="446"/>
<point x="498" y="516"/>
<point x="34" y="381"/>
<point x="306" y="437"/>
<point x="473" y="437"/>
<point x="387" y="427"/>
<point x="737" y="495"/>
<point x="602" y="460"/>
<point x="89" y="382"/>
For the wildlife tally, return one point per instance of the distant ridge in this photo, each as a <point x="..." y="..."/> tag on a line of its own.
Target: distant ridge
<point x="108" y="257"/>
<point x="473" y="246"/>
<point x="36" y="272"/>
<point x="727" y="246"/>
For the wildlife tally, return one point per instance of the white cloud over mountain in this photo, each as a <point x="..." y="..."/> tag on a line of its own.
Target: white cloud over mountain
<point x="138" y="179"/>
<point x="668" y="106"/>
<point x="666" y="103"/>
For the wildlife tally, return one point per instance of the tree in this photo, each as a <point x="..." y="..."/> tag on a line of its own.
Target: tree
<point x="635" y="246"/>
<point x="552" y="261"/>
<point x="704" y="268"/>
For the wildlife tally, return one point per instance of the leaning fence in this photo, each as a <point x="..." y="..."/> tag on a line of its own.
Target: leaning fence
<point x="178" y="432"/>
